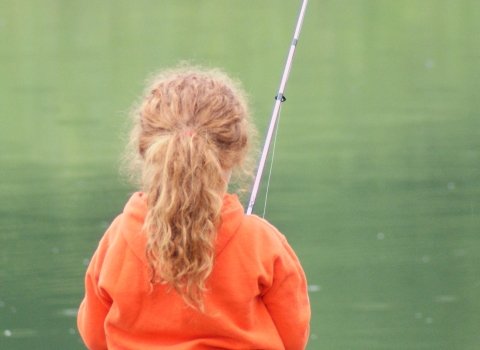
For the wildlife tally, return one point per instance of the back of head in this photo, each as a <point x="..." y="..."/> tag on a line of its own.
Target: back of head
<point x="191" y="127"/>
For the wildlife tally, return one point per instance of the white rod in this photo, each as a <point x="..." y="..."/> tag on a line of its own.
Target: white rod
<point x="276" y="109"/>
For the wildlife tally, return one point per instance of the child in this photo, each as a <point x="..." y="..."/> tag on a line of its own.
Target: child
<point x="183" y="267"/>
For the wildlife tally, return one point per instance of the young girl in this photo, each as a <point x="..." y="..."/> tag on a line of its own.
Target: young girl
<point x="183" y="267"/>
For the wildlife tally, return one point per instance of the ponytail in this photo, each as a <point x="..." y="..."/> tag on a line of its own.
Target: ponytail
<point x="181" y="237"/>
<point x="191" y="128"/>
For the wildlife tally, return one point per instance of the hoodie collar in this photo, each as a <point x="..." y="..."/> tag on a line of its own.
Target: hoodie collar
<point x="232" y="216"/>
<point x="135" y="212"/>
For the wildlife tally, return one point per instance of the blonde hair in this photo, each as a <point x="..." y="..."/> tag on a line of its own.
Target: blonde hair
<point x="192" y="126"/>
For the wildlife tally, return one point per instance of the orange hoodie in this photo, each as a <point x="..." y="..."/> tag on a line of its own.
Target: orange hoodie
<point x="257" y="293"/>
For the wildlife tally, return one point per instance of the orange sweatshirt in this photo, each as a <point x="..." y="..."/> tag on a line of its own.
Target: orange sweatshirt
<point x="257" y="296"/>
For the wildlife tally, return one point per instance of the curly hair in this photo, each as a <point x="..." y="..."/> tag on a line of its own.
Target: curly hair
<point x="190" y="128"/>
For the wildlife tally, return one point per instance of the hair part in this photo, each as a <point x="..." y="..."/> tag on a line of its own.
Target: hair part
<point x="191" y="126"/>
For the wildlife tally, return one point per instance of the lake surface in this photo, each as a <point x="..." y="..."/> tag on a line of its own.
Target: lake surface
<point x="375" y="179"/>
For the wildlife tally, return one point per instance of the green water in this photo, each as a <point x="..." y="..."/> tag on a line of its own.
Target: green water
<point x="376" y="175"/>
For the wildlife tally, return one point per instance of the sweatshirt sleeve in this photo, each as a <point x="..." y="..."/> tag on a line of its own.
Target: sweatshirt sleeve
<point x="287" y="300"/>
<point x="96" y="303"/>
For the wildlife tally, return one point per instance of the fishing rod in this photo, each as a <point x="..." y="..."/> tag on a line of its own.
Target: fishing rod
<point x="276" y="110"/>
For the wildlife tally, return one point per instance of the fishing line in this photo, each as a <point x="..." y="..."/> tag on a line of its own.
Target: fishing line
<point x="271" y="161"/>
